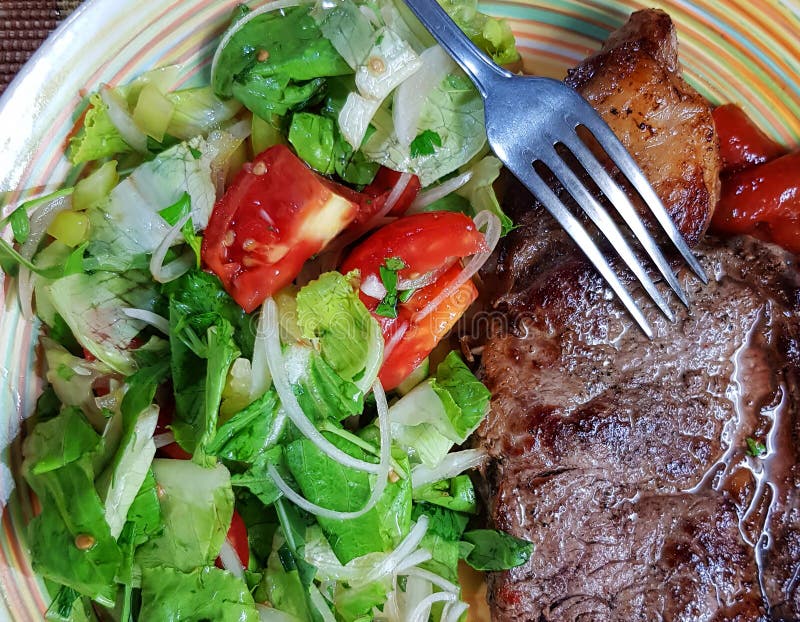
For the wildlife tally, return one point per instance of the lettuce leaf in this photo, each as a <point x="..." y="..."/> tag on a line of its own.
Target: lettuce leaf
<point x="294" y="61"/>
<point x="205" y="593"/>
<point x="492" y="550"/>
<point x="99" y="137"/>
<point x="197" y="506"/>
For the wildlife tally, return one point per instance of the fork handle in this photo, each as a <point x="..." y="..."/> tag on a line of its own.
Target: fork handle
<point x="473" y="61"/>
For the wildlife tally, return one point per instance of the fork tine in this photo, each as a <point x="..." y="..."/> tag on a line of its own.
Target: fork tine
<point x="600" y="217"/>
<point x="533" y="181"/>
<point x="622" y="203"/>
<point x="617" y="152"/>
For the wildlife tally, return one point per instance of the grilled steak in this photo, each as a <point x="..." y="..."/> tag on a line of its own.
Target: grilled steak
<point x="635" y="83"/>
<point x="626" y="460"/>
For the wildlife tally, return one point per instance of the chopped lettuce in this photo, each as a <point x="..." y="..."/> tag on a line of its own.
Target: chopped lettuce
<point x="331" y="315"/>
<point x="197" y="505"/>
<point x="249" y="432"/>
<point x="492" y="550"/>
<point x="314" y="140"/>
<point x="454" y="111"/>
<point x="342" y="488"/>
<point x="490" y="34"/>
<point x="99" y="137"/>
<point x="276" y="62"/>
<point x="198" y="111"/>
<point x="440" y="411"/>
<point x="479" y="190"/>
<point x="92" y="305"/>
<point x="128" y="224"/>
<point x="205" y="593"/>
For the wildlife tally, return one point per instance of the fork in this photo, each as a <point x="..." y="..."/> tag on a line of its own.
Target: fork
<point x="526" y="119"/>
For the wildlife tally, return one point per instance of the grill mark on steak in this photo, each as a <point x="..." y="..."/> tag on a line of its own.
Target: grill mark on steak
<point x="623" y="459"/>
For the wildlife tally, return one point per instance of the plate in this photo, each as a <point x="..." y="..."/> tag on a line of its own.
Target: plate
<point x="733" y="50"/>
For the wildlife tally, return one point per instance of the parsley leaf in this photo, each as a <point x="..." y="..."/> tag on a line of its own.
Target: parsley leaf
<point x="20" y="224"/>
<point x="388" y="306"/>
<point x="174" y="213"/>
<point x="755" y="448"/>
<point x="425" y="144"/>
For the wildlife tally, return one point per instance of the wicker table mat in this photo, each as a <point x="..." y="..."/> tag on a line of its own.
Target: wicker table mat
<point x="23" y="27"/>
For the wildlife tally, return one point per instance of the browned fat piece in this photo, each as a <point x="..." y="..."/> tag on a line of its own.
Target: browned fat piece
<point x="626" y="460"/>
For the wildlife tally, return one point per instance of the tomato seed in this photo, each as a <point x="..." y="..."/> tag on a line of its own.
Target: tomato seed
<point x="393" y="477"/>
<point x="376" y="65"/>
<point x="248" y="245"/>
<point x="84" y="541"/>
<point x="260" y="168"/>
<point x="230" y="238"/>
<point x="262" y="56"/>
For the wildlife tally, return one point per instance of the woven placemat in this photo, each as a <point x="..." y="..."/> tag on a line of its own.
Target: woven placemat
<point x="23" y="27"/>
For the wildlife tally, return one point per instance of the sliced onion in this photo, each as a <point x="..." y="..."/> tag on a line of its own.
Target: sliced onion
<point x="277" y="428"/>
<point x="170" y="272"/>
<point x="453" y="611"/>
<point x="492" y="236"/>
<point x="269" y="614"/>
<point x="373" y="287"/>
<point x="440" y="582"/>
<point x="40" y="219"/>
<point x="321" y="604"/>
<point x="155" y="320"/>
<point x="230" y="560"/>
<point x="394" y="340"/>
<point x="381" y="480"/>
<point x="412" y="94"/>
<point x="122" y="120"/>
<point x="222" y="144"/>
<point x="374" y="358"/>
<point x="431" y="195"/>
<point x="423" y="609"/>
<point x="451" y="465"/>
<point x="162" y="440"/>
<point x="260" y="378"/>
<point x="403" y="550"/>
<point x="394" y="195"/>
<point x="422" y="281"/>
<point x="240" y="23"/>
<point x="420" y="556"/>
<point x="289" y="400"/>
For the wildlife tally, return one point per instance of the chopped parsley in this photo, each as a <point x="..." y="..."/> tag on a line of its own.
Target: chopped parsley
<point x="425" y="144"/>
<point x="20" y="224"/>
<point x="755" y="448"/>
<point x="388" y="271"/>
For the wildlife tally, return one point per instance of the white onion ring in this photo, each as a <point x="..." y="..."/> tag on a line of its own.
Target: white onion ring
<point x="170" y="272"/>
<point x="453" y="611"/>
<point x="492" y="236"/>
<point x="423" y="608"/>
<point x="155" y="320"/>
<point x="162" y="440"/>
<point x="431" y="195"/>
<point x="319" y="602"/>
<point x="434" y="578"/>
<point x="230" y="560"/>
<point x="451" y="465"/>
<point x="122" y="120"/>
<point x="381" y="480"/>
<point x="289" y="400"/>
<point x="260" y="377"/>
<point x="373" y="287"/>
<point x="420" y="556"/>
<point x="40" y="219"/>
<point x="409" y="544"/>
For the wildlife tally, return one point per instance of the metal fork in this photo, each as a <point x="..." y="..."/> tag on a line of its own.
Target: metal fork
<point x="526" y="119"/>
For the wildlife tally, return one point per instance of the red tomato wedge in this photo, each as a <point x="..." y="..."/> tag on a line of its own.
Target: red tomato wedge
<point x="428" y="244"/>
<point x="272" y="219"/>
<point x="763" y="200"/>
<point x="742" y="144"/>
<point x="421" y="337"/>
<point x="237" y="538"/>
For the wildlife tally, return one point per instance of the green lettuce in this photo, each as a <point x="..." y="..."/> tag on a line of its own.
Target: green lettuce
<point x="99" y="137"/>
<point x="492" y="550"/>
<point x="205" y="593"/>
<point x="277" y="62"/>
<point x="197" y="506"/>
<point x="490" y="34"/>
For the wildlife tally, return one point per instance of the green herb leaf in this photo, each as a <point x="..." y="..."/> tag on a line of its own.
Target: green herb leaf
<point x="20" y="224"/>
<point x="495" y="550"/>
<point x="388" y="271"/>
<point x="425" y="144"/>
<point x="755" y="448"/>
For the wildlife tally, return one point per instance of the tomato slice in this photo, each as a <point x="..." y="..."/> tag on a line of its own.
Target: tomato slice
<point x="742" y="144"/>
<point x="237" y="538"/>
<point x="427" y="243"/>
<point x="274" y="217"/>
<point x="420" y="337"/>
<point x="763" y="200"/>
<point x="376" y="194"/>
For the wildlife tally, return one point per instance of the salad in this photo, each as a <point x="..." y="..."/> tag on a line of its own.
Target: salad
<point x="252" y="409"/>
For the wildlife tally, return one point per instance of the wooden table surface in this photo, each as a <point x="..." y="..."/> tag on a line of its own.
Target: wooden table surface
<point x="24" y="24"/>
